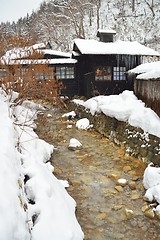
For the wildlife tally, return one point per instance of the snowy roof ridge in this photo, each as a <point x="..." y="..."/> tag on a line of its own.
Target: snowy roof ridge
<point x="147" y="71"/>
<point x="106" y="31"/>
<point x="22" y="52"/>
<point x="56" y="52"/>
<point x="90" y="46"/>
<point x="42" y="61"/>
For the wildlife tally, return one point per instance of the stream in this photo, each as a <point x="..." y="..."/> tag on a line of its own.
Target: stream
<point x="106" y="209"/>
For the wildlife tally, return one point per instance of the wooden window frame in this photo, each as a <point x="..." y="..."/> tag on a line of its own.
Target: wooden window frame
<point x="103" y="73"/>
<point x="65" y="72"/>
<point x="119" y="73"/>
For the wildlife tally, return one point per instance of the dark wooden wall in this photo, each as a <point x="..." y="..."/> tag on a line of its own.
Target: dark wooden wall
<point x="70" y="87"/>
<point x="149" y="92"/>
<point x="86" y="66"/>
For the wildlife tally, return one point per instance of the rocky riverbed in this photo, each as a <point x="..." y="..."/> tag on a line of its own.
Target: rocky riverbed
<point x="106" y="184"/>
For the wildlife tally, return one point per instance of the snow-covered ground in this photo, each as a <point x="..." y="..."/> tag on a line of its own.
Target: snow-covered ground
<point x="34" y="203"/>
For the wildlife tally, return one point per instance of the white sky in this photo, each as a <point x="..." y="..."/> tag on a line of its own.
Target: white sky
<point x="12" y="10"/>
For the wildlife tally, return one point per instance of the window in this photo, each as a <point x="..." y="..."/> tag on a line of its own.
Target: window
<point x="103" y="73"/>
<point x="63" y="72"/>
<point x="119" y="73"/>
<point x="3" y="73"/>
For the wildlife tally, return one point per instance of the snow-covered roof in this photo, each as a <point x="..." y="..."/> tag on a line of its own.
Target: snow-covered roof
<point x="147" y="71"/>
<point x="24" y="52"/>
<point x="87" y="46"/>
<point x="107" y="31"/>
<point x="56" y="53"/>
<point x="20" y="55"/>
<point x="43" y="61"/>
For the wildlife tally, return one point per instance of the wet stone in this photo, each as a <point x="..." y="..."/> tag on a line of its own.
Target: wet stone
<point x="133" y="223"/>
<point x="135" y="178"/>
<point x="132" y="185"/>
<point x="118" y="207"/>
<point x="58" y="171"/>
<point x="135" y="196"/>
<point x="149" y="213"/>
<point x="157" y="214"/>
<point x="109" y="191"/>
<point x="74" y="148"/>
<point x="126" y="168"/>
<point x="101" y="216"/>
<point x="75" y="183"/>
<point x="128" y="212"/>
<point x="122" y="182"/>
<point x="114" y="175"/>
<point x="119" y="188"/>
<point x="145" y="208"/>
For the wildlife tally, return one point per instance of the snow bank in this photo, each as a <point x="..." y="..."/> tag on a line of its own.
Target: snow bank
<point x="37" y="204"/>
<point x="125" y="107"/>
<point x="151" y="182"/>
<point x="13" y="218"/>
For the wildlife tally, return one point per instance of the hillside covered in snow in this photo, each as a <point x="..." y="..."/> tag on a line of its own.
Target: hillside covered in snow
<point x="61" y="21"/>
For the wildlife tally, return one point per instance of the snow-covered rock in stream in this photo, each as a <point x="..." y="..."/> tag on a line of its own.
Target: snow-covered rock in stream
<point x="83" y="124"/>
<point x="74" y="144"/>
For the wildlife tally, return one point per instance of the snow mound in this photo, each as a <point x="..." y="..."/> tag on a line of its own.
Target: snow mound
<point x="71" y="114"/>
<point x="151" y="177"/>
<point x="74" y="143"/>
<point x="83" y="124"/>
<point x="151" y="181"/>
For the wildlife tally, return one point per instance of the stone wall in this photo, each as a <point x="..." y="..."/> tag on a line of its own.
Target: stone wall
<point x="137" y="143"/>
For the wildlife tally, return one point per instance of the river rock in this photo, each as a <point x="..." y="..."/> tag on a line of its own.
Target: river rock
<point x="117" y="207"/>
<point x="75" y="183"/>
<point x="132" y="185"/>
<point x="128" y="212"/>
<point x="135" y="195"/>
<point x="122" y="182"/>
<point x="119" y="188"/>
<point x="101" y="216"/>
<point x="114" y="175"/>
<point x="74" y="144"/>
<point x="145" y="208"/>
<point x="58" y="171"/>
<point x="149" y="213"/>
<point x="127" y="169"/>
<point x="135" y="178"/>
<point x="157" y="214"/>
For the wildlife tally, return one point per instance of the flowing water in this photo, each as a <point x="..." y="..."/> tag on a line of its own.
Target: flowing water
<point x="105" y="209"/>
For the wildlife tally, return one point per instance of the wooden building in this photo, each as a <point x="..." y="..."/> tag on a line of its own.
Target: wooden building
<point x="94" y="67"/>
<point x="35" y="59"/>
<point x="102" y="66"/>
